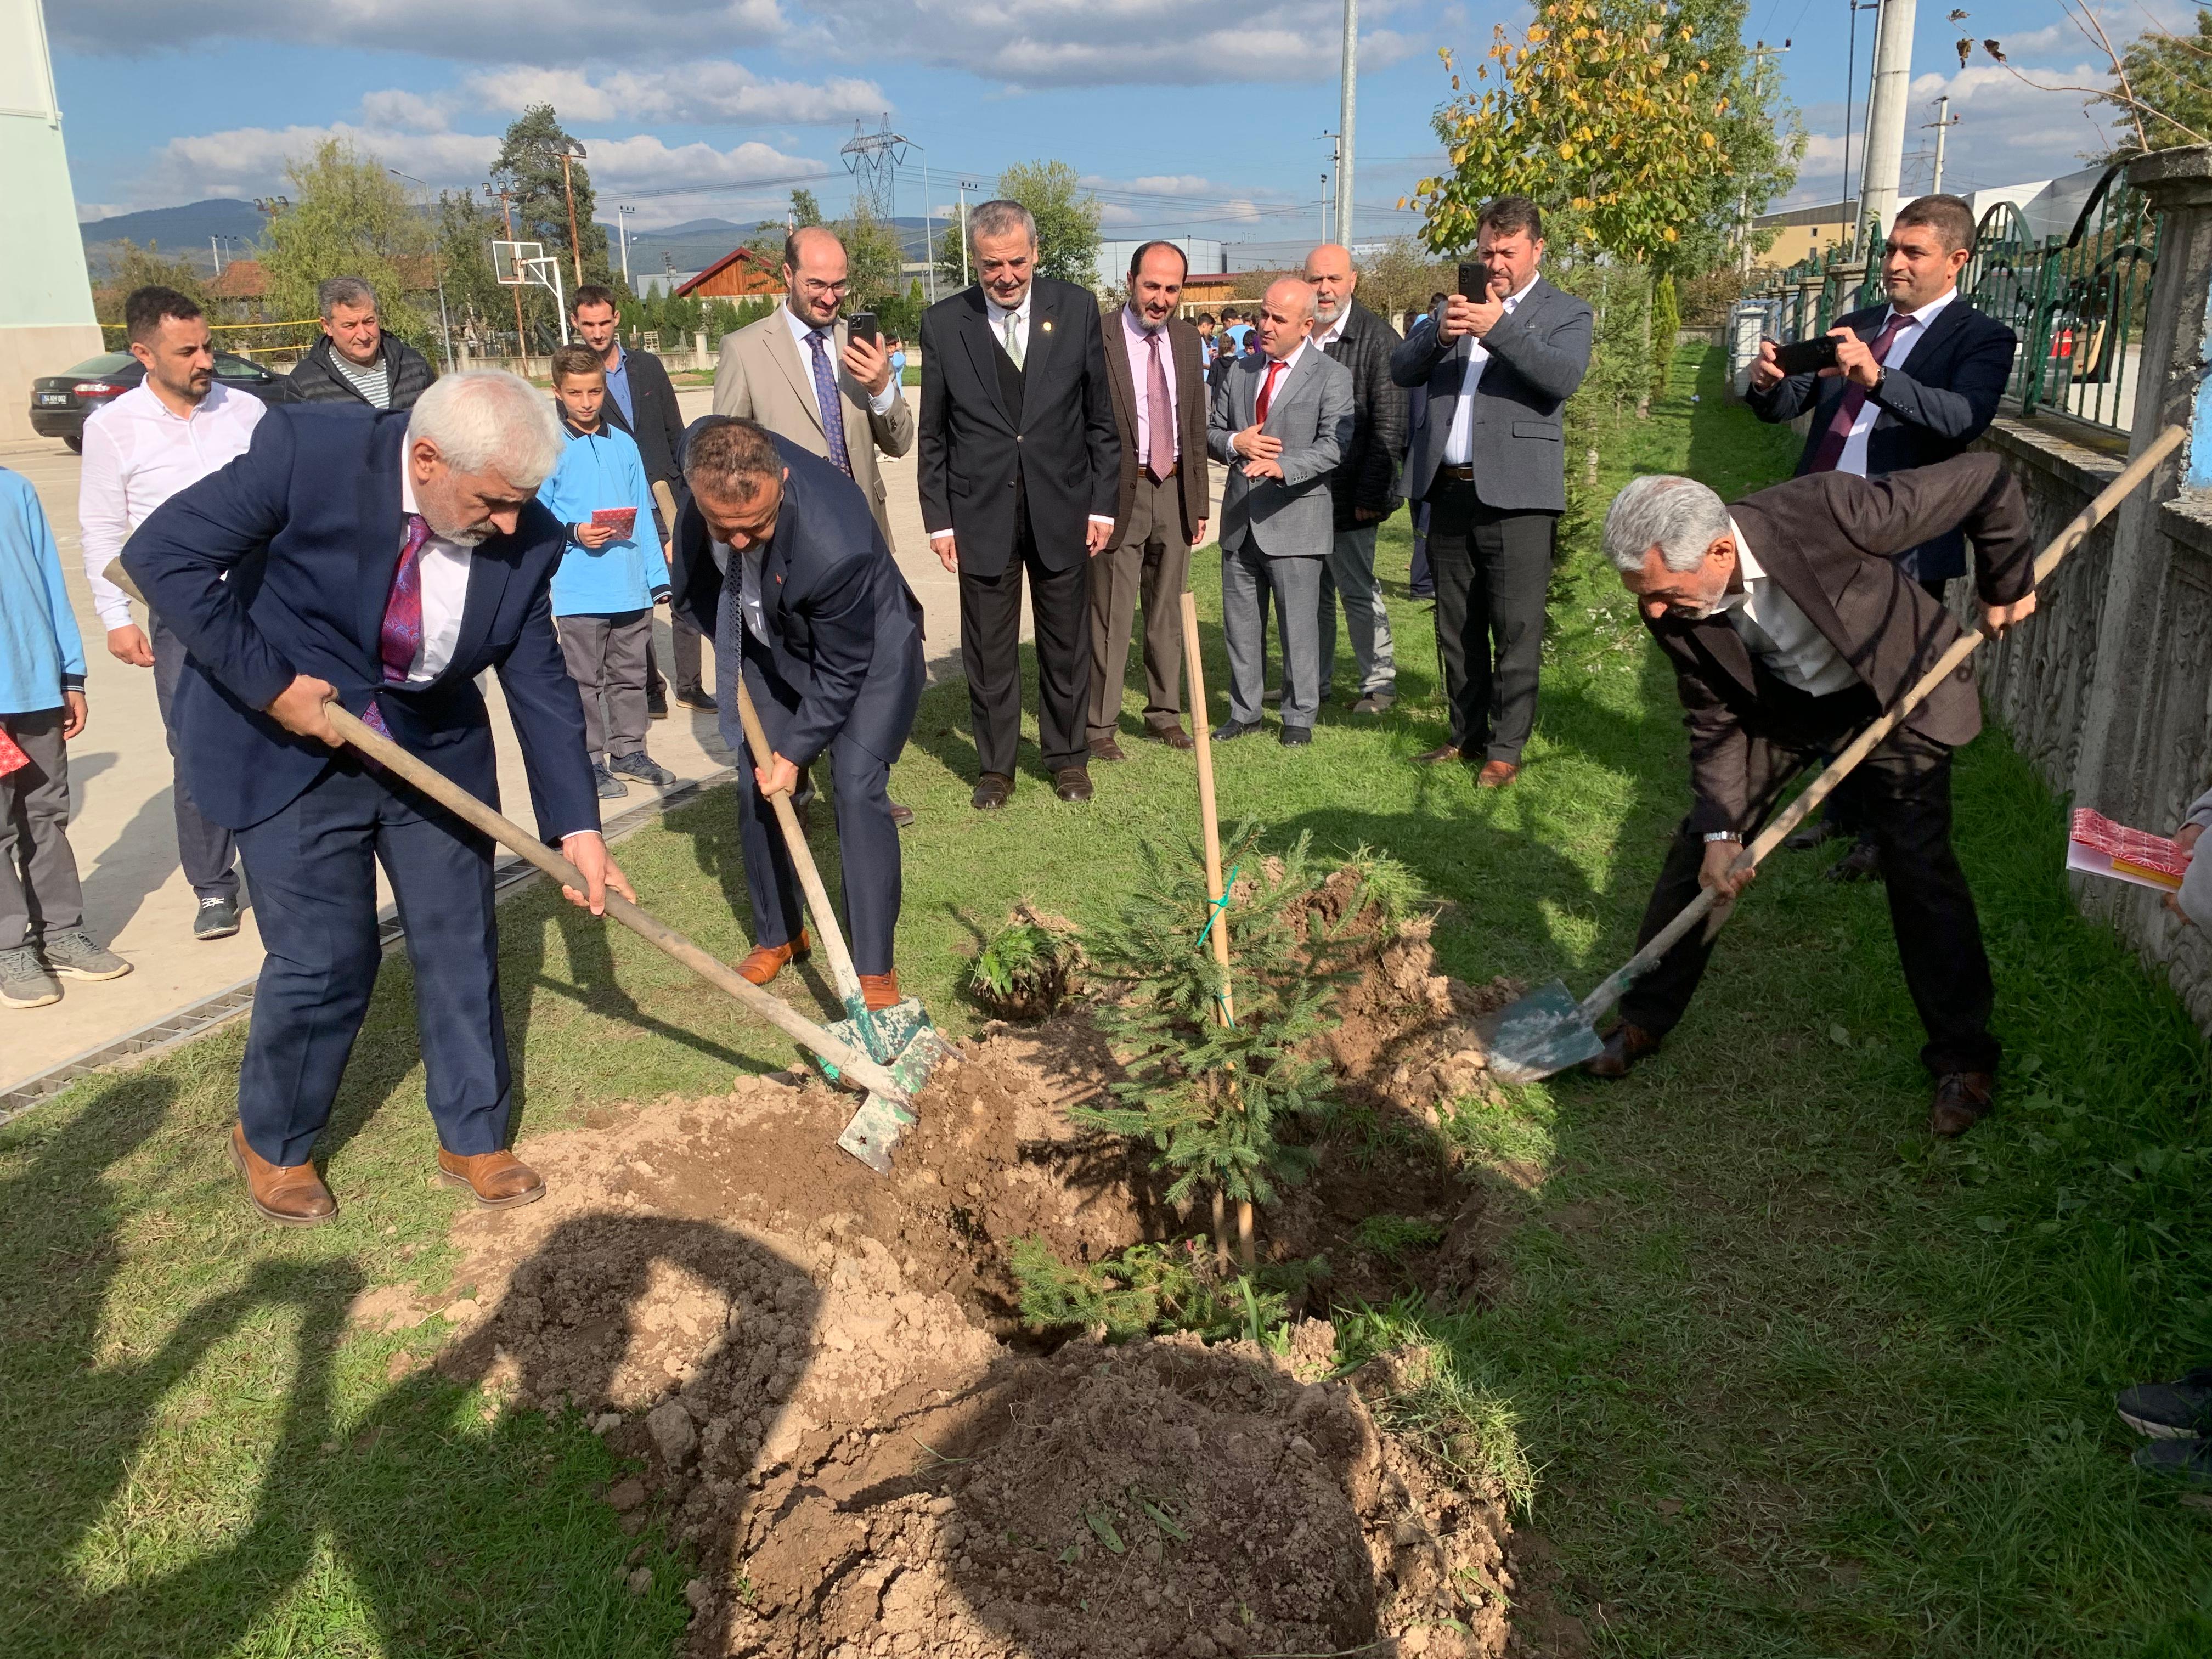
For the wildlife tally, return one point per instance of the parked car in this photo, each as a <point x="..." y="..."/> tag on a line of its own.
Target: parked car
<point x="60" y="402"/>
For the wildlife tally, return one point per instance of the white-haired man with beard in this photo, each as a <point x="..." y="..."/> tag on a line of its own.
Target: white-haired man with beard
<point x="382" y="560"/>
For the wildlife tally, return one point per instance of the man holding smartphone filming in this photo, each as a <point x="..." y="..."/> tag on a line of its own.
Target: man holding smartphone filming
<point x="1915" y="381"/>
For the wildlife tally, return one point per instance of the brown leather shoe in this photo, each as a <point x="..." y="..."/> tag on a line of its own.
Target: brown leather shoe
<point x="1962" y="1100"/>
<point x="500" y="1180"/>
<point x="1625" y="1044"/>
<point x="291" y="1194"/>
<point x="1071" y="783"/>
<point x="1496" y="774"/>
<point x="992" y="790"/>
<point x="902" y="816"/>
<point x="766" y="961"/>
<point x="879" y="991"/>
<point x="1437" y="757"/>
<point x="1174" y="736"/>
<point x="1106" y="749"/>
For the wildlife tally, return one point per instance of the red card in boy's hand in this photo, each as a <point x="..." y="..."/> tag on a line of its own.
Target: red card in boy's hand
<point x="11" y="756"/>
<point x="620" y="519"/>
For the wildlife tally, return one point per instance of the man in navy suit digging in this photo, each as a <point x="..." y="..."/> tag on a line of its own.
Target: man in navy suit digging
<point x="382" y="561"/>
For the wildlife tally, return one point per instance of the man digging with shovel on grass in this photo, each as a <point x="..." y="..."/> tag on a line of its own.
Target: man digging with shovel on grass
<point x="1791" y="628"/>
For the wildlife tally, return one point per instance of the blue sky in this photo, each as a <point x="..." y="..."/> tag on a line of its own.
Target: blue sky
<point x="1182" y="118"/>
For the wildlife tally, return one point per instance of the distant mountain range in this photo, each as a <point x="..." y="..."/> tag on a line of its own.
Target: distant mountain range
<point x="183" y="233"/>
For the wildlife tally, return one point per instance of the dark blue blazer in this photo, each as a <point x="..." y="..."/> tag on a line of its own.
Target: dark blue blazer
<point x="844" y="629"/>
<point x="1931" y="410"/>
<point x="306" y="526"/>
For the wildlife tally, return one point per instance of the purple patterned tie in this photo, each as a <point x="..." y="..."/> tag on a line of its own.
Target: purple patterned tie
<point x="1839" y="433"/>
<point x="400" y="640"/>
<point x="832" y="405"/>
<point x="1159" y="416"/>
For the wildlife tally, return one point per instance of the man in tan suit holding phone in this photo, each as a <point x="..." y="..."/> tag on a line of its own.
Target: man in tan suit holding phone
<point x="776" y="372"/>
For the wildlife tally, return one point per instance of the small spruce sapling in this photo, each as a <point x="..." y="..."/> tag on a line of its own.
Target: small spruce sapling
<point x="1213" y="1099"/>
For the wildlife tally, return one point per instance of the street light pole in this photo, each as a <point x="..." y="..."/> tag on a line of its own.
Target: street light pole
<point x="928" y="232"/>
<point x="1345" y="125"/>
<point x="623" y="214"/>
<point x="1943" y="123"/>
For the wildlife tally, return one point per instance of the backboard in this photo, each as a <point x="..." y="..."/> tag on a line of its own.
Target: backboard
<point x="510" y="262"/>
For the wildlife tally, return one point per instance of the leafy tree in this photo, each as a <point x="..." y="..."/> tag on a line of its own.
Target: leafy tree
<point x="805" y="210"/>
<point x="529" y="163"/>
<point x="1607" y="106"/>
<point x="873" y="256"/>
<point x="1402" y="277"/>
<point x="1067" y="218"/>
<point x="2171" y="76"/>
<point x="1759" y="131"/>
<point x="1665" y="321"/>
<point x="348" y="217"/>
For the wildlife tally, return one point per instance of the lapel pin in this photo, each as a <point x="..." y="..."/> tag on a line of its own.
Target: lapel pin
<point x="1047" y="324"/>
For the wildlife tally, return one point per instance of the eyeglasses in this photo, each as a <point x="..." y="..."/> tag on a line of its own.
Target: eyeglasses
<point x="823" y="290"/>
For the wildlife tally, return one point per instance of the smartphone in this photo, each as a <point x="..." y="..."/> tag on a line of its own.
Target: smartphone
<point x="861" y="326"/>
<point x="1807" y="356"/>
<point x="1475" y="282"/>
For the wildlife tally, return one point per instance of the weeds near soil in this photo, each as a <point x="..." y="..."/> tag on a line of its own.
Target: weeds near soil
<point x="1150" y="1288"/>
<point x="1212" y="1098"/>
<point x="1022" y="972"/>
<point x="1426" y="1394"/>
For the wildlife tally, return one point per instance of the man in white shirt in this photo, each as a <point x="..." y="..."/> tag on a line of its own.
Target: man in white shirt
<point x="168" y="432"/>
<point x="1916" y="381"/>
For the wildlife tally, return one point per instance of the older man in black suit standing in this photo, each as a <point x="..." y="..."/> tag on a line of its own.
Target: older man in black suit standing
<point x="1486" y="456"/>
<point x="1916" y="381"/>
<point x="1020" y="475"/>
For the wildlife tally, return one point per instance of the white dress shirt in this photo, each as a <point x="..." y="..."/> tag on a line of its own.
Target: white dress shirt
<point x="444" y="567"/>
<point x="1290" y="367"/>
<point x="1854" y="458"/>
<point x="1326" y="337"/>
<point x="1139" y="339"/>
<point x="138" y="453"/>
<point x="1459" y="446"/>
<point x="803" y="331"/>
<point x="1779" y="634"/>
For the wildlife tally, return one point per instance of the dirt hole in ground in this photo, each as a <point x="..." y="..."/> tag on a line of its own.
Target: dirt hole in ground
<point x="834" y="1403"/>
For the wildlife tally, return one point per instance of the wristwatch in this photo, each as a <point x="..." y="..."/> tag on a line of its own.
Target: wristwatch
<point x="1712" y="836"/>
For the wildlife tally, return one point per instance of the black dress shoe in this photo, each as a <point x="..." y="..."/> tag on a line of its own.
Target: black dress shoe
<point x="1106" y="749"/>
<point x="1296" y="736"/>
<point x="902" y="816"/>
<point x="991" y="791"/>
<point x="1962" y="1100"/>
<point x="1625" y="1045"/>
<point x="656" y="709"/>
<point x="1228" y="731"/>
<point x="1861" y="862"/>
<point x="1817" y="833"/>
<point x="1174" y="736"/>
<point x="1071" y="783"/>
<point x="695" y="698"/>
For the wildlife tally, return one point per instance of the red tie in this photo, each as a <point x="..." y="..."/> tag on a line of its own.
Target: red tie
<point x="1846" y="416"/>
<point x="1266" y="393"/>
<point x="400" y="638"/>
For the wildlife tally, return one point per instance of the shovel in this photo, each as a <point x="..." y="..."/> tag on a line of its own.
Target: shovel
<point x="1547" y="1030"/>
<point x="511" y="835"/>
<point x="900" y="1037"/>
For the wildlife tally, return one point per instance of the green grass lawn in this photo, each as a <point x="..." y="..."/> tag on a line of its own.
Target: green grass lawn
<point x="1794" y="1380"/>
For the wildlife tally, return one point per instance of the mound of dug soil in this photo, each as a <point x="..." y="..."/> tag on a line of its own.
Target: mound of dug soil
<point x="822" y="1375"/>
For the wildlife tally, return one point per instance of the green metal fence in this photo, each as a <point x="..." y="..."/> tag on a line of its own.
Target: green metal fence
<point x="2076" y="303"/>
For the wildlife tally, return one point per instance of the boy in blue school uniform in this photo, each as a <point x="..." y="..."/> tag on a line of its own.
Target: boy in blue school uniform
<point x="42" y="707"/>
<point x="609" y="578"/>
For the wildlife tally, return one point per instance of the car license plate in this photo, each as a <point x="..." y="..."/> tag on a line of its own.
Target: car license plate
<point x="50" y="399"/>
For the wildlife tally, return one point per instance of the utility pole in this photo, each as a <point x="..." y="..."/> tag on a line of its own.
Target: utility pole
<point x="506" y="224"/>
<point x="966" y="184"/>
<point x="573" y="150"/>
<point x="622" y="214"/>
<point x="1345" y="123"/>
<point x="1886" y="107"/>
<point x="1759" y="53"/>
<point x="1851" y="72"/>
<point x="1943" y="123"/>
<point x="217" y="251"/>
<point x="1324" y="207"/>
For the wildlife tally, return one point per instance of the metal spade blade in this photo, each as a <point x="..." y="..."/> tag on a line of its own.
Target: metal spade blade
<point x="1546" y="1031"/>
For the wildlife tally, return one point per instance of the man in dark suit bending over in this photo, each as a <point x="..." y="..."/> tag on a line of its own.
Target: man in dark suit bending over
<point x="1916" y="381"/>
<point x="1790" y="626"/>
<point x="1020" y="475"/>
<point x="382" y="561"/>
<point x="786" y="566"/>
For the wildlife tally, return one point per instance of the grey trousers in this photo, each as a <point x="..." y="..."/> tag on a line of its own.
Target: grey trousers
<point x="39" y="890"/>
<point x="606" y="658"/>
<point x="1350" y="572"/>
<point x="205" y="847"/>
<point x="1248" y="578"/>
<point x="684" y="642"/>
<point x="1151" y="563"/>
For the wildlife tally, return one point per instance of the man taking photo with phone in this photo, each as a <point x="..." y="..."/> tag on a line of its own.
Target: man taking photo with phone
<point x="1915" y="381"/>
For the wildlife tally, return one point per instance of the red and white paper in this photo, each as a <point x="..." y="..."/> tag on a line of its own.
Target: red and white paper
<point x="622" y="520"/>
<point x="2096" y="844"/>
<point x="10" y="757"/>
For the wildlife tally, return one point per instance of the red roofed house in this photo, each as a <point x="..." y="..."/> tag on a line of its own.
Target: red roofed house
<point x="740" y="274"/>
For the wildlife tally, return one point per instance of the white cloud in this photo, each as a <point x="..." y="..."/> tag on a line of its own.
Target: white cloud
<point x="251" y="160"/>
<point x="705" y="92"/>
<point x="402" y="112"/>
<point x="483" y="30"/>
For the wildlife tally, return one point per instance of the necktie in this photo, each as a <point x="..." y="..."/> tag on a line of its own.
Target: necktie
<point x="832" y="405"/>
<point x="1853" y="400"/>
<point x="1160" y="447"/>
<point x="1266" y="393"/>
<point x="400" y="638"/>
<point x="1013" y="338"/>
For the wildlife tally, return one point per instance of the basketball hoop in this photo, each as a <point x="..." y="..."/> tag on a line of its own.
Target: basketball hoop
<point x="525" y="265"/>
